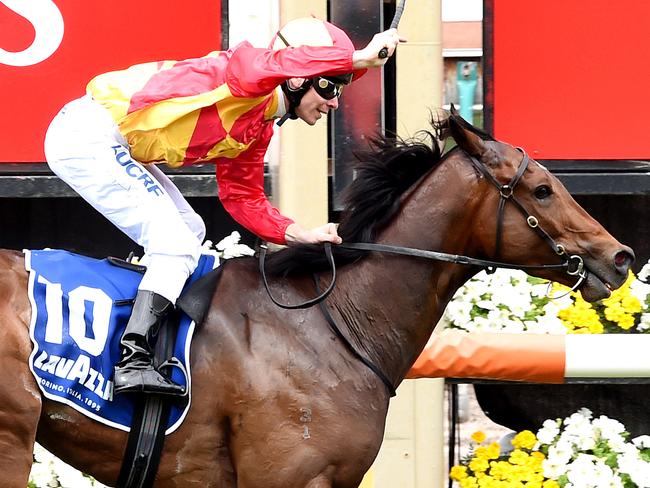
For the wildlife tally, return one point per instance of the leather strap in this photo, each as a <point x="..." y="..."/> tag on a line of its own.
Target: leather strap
<point x="151" y="414"/>
<point x="351" y="348"/>
<point x="308" y="303"/>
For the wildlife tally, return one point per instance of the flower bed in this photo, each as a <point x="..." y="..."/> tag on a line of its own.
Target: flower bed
<point x="576" y="452"/>
<point x="511" y="301"/>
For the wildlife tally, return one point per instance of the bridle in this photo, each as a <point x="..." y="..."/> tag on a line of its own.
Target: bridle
<point x="573" y="264"/>
<point x="506" y="194"/>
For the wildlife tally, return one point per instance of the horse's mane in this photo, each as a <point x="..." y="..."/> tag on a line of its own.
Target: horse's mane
<point x="384" y="171"/>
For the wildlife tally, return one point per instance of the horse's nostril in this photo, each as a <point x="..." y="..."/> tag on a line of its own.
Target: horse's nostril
<point x="623" y="259"/>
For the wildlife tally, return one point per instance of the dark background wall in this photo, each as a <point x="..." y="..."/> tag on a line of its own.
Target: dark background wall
<point x="70" y="223"/>
<point x="625" y="217"/>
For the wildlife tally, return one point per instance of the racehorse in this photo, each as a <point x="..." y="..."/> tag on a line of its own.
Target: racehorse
<point x="280" y="400"/>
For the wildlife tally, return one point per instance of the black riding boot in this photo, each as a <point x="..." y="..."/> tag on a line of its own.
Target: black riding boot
<point x="135" y="372"/>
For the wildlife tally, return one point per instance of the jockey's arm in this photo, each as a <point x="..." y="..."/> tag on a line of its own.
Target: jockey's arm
<point x="241" y="191"/>
<point x="254" y="71"/>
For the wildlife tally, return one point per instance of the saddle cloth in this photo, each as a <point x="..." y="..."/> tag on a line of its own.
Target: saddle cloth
<point x="80" y="307"/>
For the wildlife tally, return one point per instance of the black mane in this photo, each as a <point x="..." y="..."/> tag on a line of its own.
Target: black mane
<point x="384" y="172"/>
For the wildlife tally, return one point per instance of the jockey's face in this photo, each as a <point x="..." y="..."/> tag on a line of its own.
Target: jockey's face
<point x="313" y="106"/>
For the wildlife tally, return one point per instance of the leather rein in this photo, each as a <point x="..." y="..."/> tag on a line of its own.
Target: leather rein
<point x="573" y="264"/>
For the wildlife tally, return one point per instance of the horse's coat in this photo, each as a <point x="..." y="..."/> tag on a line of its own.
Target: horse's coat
<point x="278" y="400"/>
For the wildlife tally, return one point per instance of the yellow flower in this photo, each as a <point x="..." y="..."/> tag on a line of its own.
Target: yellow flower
<point x="538" y="455"/>
<point x="478" y="436"/>
<point x="631" y="304"/>
<point x="550" y="484"/>
<point x="493" y="451"/>
<point x="469" y="482"/>
<point x="580" y="317"/>
<point x="524" y="440"/>
<point x="518" y="457"/>
<point x="458" y="473"/>
<point x="626" y="322"/>
<point x="594" y="328"/>
<point x="478" y="465"/>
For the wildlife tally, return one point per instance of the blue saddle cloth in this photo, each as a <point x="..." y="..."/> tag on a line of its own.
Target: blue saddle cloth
<point x="80" y="307"/>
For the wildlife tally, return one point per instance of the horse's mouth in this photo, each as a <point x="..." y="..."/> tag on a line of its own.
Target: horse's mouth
<point x="595" y="287"/>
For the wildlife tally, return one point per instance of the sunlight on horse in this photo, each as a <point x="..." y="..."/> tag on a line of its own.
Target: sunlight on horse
<point x="278" y="400"/>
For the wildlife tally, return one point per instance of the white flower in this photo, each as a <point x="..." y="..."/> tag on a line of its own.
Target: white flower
<point x="42" y="475"/>
<point x="506" y="301"/>
<point x="645" y="272"/>
<point x="237" y="250"/>
<point x="642" y="442"/>
<point x="50" y="472"/>
<point x="231" y="248"/>
<point x="559" y="457"/>
<point x="549" y="431"/>
<point x="583" y="472"/>
<point x="639" y="288"/>
<point x="638" y="469"/>
<point x="70" y="477"/>
<point x="228" y="241"/>
<point x="644" y="324"/>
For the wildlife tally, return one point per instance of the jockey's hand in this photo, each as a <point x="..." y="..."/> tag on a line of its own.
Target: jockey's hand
<point x="295" y="234"/>
<point x="368" y="57"/>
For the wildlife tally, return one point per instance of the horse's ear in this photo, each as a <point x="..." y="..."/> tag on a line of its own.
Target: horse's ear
<point x="467" y="140"/>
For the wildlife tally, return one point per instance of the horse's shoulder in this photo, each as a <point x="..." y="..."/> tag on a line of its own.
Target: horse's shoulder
<point x="13" y="286"/>
<point x="11" y="255"/>
<point x="241" y="272"/>
<point x="12" y="263"/>
<point x="245" y="265"/>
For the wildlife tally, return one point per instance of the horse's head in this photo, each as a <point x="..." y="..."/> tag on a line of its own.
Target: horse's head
<point x="524" y="215"/>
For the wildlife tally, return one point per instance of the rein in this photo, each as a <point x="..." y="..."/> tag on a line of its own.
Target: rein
<point x="573" y="264"/>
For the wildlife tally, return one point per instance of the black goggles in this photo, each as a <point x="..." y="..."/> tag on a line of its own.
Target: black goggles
<point x="327" y="88"/>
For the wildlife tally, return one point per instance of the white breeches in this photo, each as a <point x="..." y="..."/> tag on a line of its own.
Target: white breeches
<point x="85" y="149"/>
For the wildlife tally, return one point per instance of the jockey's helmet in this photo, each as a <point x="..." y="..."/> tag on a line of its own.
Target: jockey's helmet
<point x="310" y="31"/>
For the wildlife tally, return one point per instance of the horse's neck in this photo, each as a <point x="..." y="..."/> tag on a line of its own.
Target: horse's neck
<point x="390" y="304"/>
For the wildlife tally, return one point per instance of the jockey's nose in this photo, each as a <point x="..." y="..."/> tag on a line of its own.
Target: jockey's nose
<point x="333" y="104"/>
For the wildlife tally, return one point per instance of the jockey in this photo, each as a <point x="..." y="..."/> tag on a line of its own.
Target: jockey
<point x="220" y="109"/>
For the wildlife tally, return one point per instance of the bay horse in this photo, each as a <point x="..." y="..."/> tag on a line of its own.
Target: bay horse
<point x="278" y="399"/>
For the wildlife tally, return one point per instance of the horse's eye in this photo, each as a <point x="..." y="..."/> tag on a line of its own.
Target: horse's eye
<point x="542" y="192"/>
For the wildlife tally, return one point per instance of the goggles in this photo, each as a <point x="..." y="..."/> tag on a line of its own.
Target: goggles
<point x="327" y="88"/>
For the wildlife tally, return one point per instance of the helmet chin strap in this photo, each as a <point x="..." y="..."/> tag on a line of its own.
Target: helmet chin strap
<point x="294" y="95"/>
<point x="286" y="117"/>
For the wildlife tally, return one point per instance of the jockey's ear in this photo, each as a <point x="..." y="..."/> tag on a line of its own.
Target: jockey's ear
<point x="467" y="140"/>
<point x="295" y="83"/>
